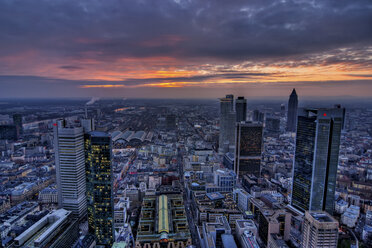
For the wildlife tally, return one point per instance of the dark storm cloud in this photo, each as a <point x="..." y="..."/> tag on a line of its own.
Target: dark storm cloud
<point x="233" y="30"/>
<point x="71" y="67"/>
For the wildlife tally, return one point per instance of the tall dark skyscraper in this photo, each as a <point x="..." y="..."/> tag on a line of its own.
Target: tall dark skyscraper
<point x="241" y="109"/>
<point x="231" y="98"/>
<point x="248" y="149"/>
<point x="258" y="116"/>
<point x="170" y="122"/>
<point x="292" y="111"/>
<point x="316" y="159"/>
<point x="99" y="187"/>
<point x="17" y="121"/>
<point x="227" y="123"/>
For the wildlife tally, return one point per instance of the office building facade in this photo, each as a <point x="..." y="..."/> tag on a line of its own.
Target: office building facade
<point x="319" y="230"/>
<point x="70" y="168"/>
<point x="316" y="159"/>
<point x="99" y="180"/>
<point x="248" y="150"/>
<point x="241" y="109"/>
<point x="227" y="123"/>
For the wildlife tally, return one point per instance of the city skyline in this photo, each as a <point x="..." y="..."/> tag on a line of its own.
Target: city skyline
<point x="185" y="123"/>
<point x="185" y="49"/>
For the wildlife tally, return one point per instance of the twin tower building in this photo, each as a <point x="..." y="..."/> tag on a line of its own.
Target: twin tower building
<point x="318" y="133"/>
<point x="84" y="176"/>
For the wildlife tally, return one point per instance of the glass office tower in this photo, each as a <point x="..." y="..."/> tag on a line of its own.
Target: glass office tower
<point x="99" y="187"/>
<point x="227" y="123"/>
<point x="241" y="109"/>
<point x="249" y="141"/>
<point x="316" y="159"/>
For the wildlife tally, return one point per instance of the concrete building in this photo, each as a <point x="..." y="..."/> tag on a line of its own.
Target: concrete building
<point x="210" y="233"/>
<point x="208" y="207"/>
<point x="224" y="180"/>
<point x="320" y="230"/>
<point x="228" y="241"/>
<point x="241" y="197"/>
<point x="276" y="241"/>
<point x="48" y="196"/>
<point x="243" y="228"/>
<point x="248" y="240"/>
<point x="57" y="229"/>
<point x="341" y="206"/>
<point x="120" y="212"/>
<point x="350" y="216"/>
<point x="296" y="229"/>
<point x="273" y="222"/>
<point x="163" y="221"/>
<point x="70" y="168"/>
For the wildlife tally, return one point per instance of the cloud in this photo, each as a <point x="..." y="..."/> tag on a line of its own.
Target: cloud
<point x="40" y="87"/>
<point x="236" y="30"/>
<point x="124" y="42"/>
<point x="71" y="67"/>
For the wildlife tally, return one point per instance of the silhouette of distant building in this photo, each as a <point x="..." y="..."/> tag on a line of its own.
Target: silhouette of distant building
<point x="292" y="111"/>
<point x="241" y="109"/>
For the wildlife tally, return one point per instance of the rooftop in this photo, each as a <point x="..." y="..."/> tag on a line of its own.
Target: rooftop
<point x="99" y="134"/>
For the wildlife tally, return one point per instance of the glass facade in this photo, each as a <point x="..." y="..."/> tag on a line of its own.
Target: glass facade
<point x="241" y="109"/>
<point x="99" y="187"/>
<point x="303" y="164"/>
<point x="249" y="141"/>
<point x="316" y="159"/>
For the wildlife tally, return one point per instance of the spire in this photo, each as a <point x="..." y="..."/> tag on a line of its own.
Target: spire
<point x="293" y="92"/>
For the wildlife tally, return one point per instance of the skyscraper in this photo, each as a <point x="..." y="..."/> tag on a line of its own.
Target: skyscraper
<point x="241" y="109"/>
<point x="258" y="116"/>
<point x="292" y="111"/>
<point x="231" y="98"/>
<point x="70" y="168"/>
<point x="170" y="121"/>
<point x="99" y="187"/>
<point x="87" y="124"/>
<point x="17" y="121"/>
<point x="248" y="149"/>
<point x="227" y="123"/>
<point x="316" y="159"/>
<point x="319" y="230"/>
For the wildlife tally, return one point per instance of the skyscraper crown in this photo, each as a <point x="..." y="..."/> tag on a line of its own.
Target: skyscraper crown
<point x="294" y="92"/>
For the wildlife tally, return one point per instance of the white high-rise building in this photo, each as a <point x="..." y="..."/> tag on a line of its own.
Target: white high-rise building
<point x="70" y="168"/>
<point x="320" y="229"/>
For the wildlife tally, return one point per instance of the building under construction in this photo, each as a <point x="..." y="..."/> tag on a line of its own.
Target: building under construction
<point x="163" y="223"/>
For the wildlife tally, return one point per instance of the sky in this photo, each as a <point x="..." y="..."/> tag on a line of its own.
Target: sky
<point x="185" y="48"/>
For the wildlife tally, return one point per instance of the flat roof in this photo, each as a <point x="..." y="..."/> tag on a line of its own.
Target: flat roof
<point x="228" y="241"/>
<point x="321" y="217"/>
<point x="99" y="134"/>
<point x="215" y="196"/>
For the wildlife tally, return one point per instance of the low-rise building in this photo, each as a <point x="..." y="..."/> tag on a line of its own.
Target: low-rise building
<point x="163" y="221"/>
<point x="57" y="229"/>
